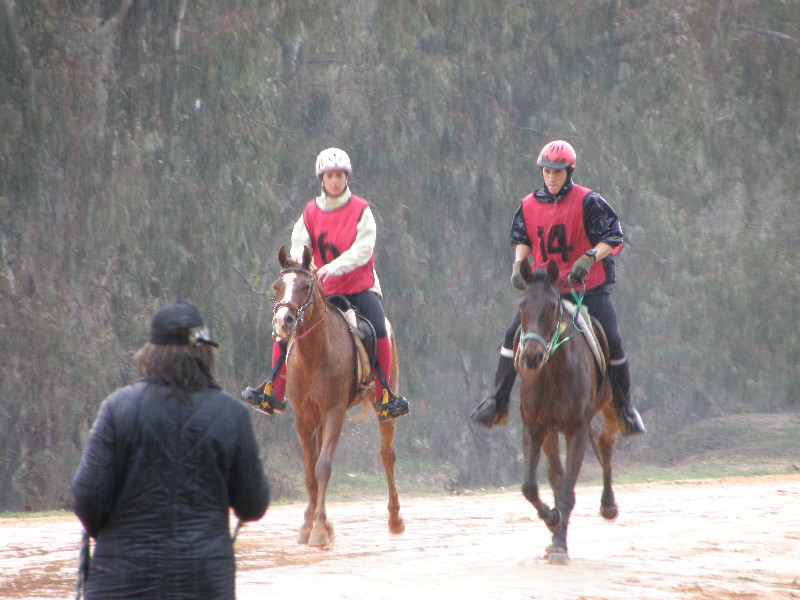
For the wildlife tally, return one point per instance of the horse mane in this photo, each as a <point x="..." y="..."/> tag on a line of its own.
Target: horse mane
<point x="539" y="275"/>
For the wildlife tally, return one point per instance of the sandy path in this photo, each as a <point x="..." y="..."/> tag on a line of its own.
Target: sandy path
<point x="727" y="538"/>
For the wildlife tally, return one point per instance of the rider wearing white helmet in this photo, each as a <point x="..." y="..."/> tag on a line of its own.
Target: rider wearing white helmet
<point x="333" y="159"/>
<point x="340" y="229"/>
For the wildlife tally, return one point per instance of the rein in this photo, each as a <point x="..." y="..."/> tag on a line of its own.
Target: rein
<point x="552" y="345"/>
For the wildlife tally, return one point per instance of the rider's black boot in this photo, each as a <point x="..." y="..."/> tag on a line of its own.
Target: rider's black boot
<point x="493" y="410"/>
<point x="264" y="399"/>
<point x="391" y="407"/>
<point x="629" y="418"/>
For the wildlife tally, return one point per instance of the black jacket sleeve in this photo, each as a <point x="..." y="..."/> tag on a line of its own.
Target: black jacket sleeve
<point x="518" y="233"/>
<point x="601" y="221"/>
<point x="94" y="486"/>
<point x="249" y="488"/>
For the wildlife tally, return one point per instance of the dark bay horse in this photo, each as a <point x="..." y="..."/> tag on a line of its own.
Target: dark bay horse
<point x="321" y="383"/>
<point x="563" y="389"/>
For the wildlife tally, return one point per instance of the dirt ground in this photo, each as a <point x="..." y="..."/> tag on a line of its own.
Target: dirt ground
<point x="733" y="538"/>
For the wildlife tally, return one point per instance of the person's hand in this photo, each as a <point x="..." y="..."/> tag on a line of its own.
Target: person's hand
<point x="580" y="268"/>
<point x="322" y="273"/>
<point x="516" y="276"/>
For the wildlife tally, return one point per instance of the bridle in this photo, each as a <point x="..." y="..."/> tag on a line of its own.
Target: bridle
<point x="300" y="310"/>
<point x="551" y="345"/>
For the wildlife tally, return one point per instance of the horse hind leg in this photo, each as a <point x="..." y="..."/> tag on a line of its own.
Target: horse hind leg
<point x="605" y="451"/>
<point x="388" y="458"/>
<point x="388" y="454"/>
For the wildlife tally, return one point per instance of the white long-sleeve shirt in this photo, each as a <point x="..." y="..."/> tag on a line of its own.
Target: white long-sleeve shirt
<point x="357" y="254"/>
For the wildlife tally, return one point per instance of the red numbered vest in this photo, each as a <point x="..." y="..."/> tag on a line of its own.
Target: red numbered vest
<point x="333" y="232"/>
<point x="557" y="232"/>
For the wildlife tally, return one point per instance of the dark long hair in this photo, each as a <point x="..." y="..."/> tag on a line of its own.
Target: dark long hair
<point x="184" y="369"/>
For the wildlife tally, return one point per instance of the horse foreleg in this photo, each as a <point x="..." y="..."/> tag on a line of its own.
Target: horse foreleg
<point x="531" y="450"/>
<point x="310" y="448"/>
<point x="565" y="494"/>
<point x="388" y="457"/>
<point x="605" y="445"/>
<point x="322" y="531"/>
<point x="555" y="471"/>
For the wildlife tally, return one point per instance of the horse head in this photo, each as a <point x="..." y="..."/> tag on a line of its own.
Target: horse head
<point x="294" y="292"/>
<point x="540" y="317"/>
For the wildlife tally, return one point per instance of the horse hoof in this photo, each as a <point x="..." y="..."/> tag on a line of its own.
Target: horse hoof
<point x="396" y="525"/>
<point x="558" y="556"/>
<point x="319" y="540"/>
<point x="321" y="535"/>
<point x="609" y="512"/>
<point x="302" y="537"/>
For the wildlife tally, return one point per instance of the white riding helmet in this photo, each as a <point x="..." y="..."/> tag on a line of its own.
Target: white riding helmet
<point x="333" y="159"/>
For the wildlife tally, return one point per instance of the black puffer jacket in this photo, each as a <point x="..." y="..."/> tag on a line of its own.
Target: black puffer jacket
<point x="154" y="488"/>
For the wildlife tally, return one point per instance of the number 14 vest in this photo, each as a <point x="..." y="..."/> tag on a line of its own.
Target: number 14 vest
<point x="557" y="232"/>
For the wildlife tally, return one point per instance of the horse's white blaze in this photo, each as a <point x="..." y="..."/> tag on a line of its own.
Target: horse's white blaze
<point x="279" y="318"/>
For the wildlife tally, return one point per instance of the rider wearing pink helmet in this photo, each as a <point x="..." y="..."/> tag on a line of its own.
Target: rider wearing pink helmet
<point x="577" y="228"/>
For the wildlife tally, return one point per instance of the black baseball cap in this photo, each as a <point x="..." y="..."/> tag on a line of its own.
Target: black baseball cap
<point x="179" y="324"/>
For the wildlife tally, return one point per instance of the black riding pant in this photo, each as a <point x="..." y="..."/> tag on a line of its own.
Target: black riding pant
<point x="369" y="304"/>
<point x="601" y="307"/>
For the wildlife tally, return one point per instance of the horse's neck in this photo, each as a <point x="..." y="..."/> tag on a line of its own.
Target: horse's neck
<point x="314" y="315"/>
<point x="316" y="342"/>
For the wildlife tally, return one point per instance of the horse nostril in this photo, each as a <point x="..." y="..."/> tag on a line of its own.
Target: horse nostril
<point x="289" y="320"/>
<point x="534" y="361"/>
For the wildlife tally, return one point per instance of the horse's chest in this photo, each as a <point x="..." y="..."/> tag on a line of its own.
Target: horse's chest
<point x="551" y="407"/>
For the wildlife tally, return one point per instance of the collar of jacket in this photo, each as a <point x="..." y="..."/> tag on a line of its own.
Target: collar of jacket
<point x="329" y="203"/>
<point x="544" y="196"/>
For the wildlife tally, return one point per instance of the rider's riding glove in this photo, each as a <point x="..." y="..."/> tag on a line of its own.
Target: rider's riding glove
<point x="581" y="267"/>
<point x="516" y="277"/>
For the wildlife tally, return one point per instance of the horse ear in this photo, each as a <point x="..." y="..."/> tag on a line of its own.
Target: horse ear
<point x="306" y="263"/>
<point x="282" y="256"/>
<point x="552" y="271"/>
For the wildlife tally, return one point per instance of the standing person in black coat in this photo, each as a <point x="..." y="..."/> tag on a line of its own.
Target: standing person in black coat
<point x="165" y="460"/>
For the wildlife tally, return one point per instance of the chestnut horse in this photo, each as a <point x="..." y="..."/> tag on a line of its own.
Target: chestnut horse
<point x="321" y="383"/>
<point x="563" y="388"/>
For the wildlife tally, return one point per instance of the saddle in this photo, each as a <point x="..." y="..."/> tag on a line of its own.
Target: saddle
<point x="584" y="321"/>
<point x="365" y="341"/>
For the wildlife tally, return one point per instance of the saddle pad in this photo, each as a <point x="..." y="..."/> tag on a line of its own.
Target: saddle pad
<point x="589" y="333"/>
<point x="364" y="357"/>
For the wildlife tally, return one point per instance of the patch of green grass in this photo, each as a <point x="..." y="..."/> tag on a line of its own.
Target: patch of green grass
<point x="33" y="515"/>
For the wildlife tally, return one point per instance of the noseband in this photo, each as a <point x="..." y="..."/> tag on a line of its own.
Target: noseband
<point x="551" y="346"/>
<point x="300" y="310"/>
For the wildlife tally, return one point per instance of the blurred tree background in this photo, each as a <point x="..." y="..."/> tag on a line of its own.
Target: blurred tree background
<point x="156" y="149"/>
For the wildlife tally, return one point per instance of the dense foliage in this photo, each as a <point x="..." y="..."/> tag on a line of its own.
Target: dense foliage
<point x="154" y="149"/>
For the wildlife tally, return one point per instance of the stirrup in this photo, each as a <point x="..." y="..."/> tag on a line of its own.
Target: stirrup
<point x="262" y="399"/>
<point x="391" y="407"/>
